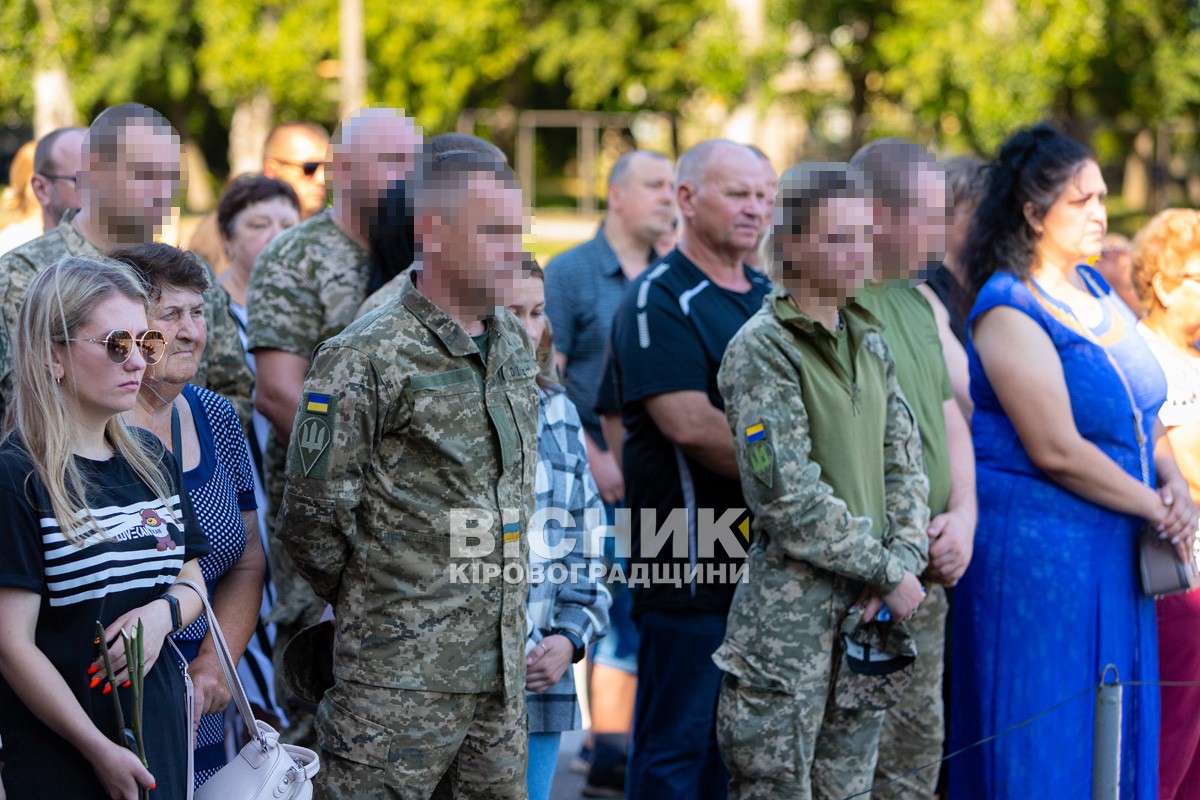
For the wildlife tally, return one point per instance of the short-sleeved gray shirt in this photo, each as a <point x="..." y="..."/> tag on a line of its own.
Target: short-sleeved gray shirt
<point x="584" y="286"/>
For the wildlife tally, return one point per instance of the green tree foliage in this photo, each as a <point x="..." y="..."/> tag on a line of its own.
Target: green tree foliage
<point x="639" y="53"/>
<point x="967" y="72"/>
<point x="113" y="50"/>
<point x="433" y="59"/>
<point x="271" y="46"/>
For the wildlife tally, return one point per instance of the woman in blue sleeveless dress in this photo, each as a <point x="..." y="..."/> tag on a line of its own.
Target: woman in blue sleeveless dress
<point x="1052" y="595"/>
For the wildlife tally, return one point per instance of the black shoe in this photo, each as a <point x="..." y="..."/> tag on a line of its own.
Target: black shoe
<point x="606" y="783"/>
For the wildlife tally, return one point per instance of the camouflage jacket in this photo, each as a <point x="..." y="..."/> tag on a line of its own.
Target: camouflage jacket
<point x="408" y="459"/>
<point x="801" y="423"/>
<point x="833" y="473"/>
<point x="306" y="286"/>
<point x="223" y="368"/>
<point x="384" y="294"/>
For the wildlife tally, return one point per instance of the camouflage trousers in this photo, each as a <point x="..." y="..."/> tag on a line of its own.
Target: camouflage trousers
<point x="914" y="728"/>
<point x="400" y="744"/>
<point x="796" y="743"/>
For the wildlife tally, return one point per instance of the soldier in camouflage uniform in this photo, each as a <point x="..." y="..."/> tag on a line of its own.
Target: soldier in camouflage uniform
<point x="909" y="193"/>
<point x="831" y="466"/>
<point x="417" y="428"/>
<point x="394" y="225"/>
<point x="305" y="287"/>
<point x="131" y="167"/>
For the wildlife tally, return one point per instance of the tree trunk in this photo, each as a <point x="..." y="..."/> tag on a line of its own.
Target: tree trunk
<point x="352" y="53"/>
<point x="199" y="188"/>
<point x="248" y="133"/>
<point x="1135" y="187"/>
<point x="53" y="106"/>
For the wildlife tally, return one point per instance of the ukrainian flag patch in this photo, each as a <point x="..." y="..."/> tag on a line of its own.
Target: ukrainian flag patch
<point x="512" y="532"/>
<point x="754" y="433"/>
<point x="316" y="403"/>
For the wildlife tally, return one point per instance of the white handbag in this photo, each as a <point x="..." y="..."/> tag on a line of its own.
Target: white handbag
<point x="264" y="769"/>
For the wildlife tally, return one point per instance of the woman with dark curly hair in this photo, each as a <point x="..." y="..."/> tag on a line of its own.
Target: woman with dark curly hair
<point x="1066" y="397"/>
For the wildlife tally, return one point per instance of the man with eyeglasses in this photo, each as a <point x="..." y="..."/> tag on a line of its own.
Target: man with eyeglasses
<point x="128" y="178"/>
<point x="56" y="163"/>
<point x="305" y="287"/>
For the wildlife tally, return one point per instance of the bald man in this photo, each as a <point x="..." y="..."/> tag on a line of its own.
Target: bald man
<point x="306" y="286"/>
<point x="668" y="338"/>
<point x="130" y="174"/>
<point x="295" y="153"/>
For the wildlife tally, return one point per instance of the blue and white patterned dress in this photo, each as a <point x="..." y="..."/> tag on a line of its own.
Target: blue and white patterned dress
<point x="221" y="487"/>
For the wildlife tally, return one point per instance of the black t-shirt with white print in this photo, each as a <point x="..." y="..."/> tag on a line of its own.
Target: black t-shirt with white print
<point x="131" y="559"/>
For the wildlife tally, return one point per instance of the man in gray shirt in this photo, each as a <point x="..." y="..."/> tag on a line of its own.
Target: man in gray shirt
<point x="585" y="284"/>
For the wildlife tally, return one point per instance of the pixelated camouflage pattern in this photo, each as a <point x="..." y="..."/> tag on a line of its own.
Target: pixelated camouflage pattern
<point x="780" y="733"/>
<point x="780" y="730"/>
<point x="393" y="743"/>
<point x="223" y="368"/>
<point x="306" y="286"/>
<point x="389" y="291"/>
<point x="914" y="728"/>
<point x="421" y="429"/>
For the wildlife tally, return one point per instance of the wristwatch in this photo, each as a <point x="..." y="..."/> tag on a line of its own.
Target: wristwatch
<point x="176" y="617"/>
<point x="576" y="642"/>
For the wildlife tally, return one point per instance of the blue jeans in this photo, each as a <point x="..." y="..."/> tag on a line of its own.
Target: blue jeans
<point x="543" y="758"/>
<point x="674" y="752"/>
<point x="618" y="649"/>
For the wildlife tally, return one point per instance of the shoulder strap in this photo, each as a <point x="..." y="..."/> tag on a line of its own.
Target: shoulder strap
<point x="227" y="664"/>
<point x="1139" y="429"/>
<point x="176" y="436"/>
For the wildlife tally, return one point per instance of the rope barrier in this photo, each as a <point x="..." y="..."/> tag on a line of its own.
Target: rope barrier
<point x="1021" y="724"/>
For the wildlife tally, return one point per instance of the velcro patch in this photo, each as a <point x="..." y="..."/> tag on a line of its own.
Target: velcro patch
<point x="312" y="439"/>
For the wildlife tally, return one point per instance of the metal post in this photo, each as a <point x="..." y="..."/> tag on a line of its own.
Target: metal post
<point x="1106" y="747"/>
<point x="526" y="155"/>
<point x="589" y="132"/>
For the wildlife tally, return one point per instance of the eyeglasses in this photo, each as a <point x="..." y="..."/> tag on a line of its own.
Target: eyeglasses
<point x="48" y="176"/>
<point x="310" y="167"/>
<point x="119" y="344"/>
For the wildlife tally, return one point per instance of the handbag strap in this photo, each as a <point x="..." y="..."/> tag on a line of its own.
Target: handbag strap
<point x="1138" y="419"/>
<point x="228" y="667"/>
<point x="176" y="436"/>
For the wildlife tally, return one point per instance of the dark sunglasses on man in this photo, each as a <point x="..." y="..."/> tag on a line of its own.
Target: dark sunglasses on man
<point x="309" y="167"/>
<point x="119" y="345"/>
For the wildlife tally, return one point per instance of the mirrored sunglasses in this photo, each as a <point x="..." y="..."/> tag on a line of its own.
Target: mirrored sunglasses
<point x="119" y="345"/>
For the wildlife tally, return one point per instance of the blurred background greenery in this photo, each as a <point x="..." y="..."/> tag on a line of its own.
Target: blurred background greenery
<point x="804" y="79"/>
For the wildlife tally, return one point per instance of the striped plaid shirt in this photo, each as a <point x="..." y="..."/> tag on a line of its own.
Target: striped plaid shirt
<point x="581" y="605"/>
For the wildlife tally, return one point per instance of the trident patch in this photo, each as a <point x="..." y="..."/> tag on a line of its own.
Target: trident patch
<point x="760" y="455"/>
<point x="312" y="440"/>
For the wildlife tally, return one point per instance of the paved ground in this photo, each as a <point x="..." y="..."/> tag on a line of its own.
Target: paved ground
<point x="567" y="784"/>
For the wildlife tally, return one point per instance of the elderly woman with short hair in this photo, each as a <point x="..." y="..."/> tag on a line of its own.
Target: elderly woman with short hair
<point x="1166" y="256"/>
<point x="204" y="434"/>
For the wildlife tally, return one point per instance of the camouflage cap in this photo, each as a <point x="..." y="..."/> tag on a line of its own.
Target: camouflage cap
<point x="308" y="663"/>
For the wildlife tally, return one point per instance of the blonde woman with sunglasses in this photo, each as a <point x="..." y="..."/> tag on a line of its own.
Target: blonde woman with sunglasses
<point x="93" y="530"/>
